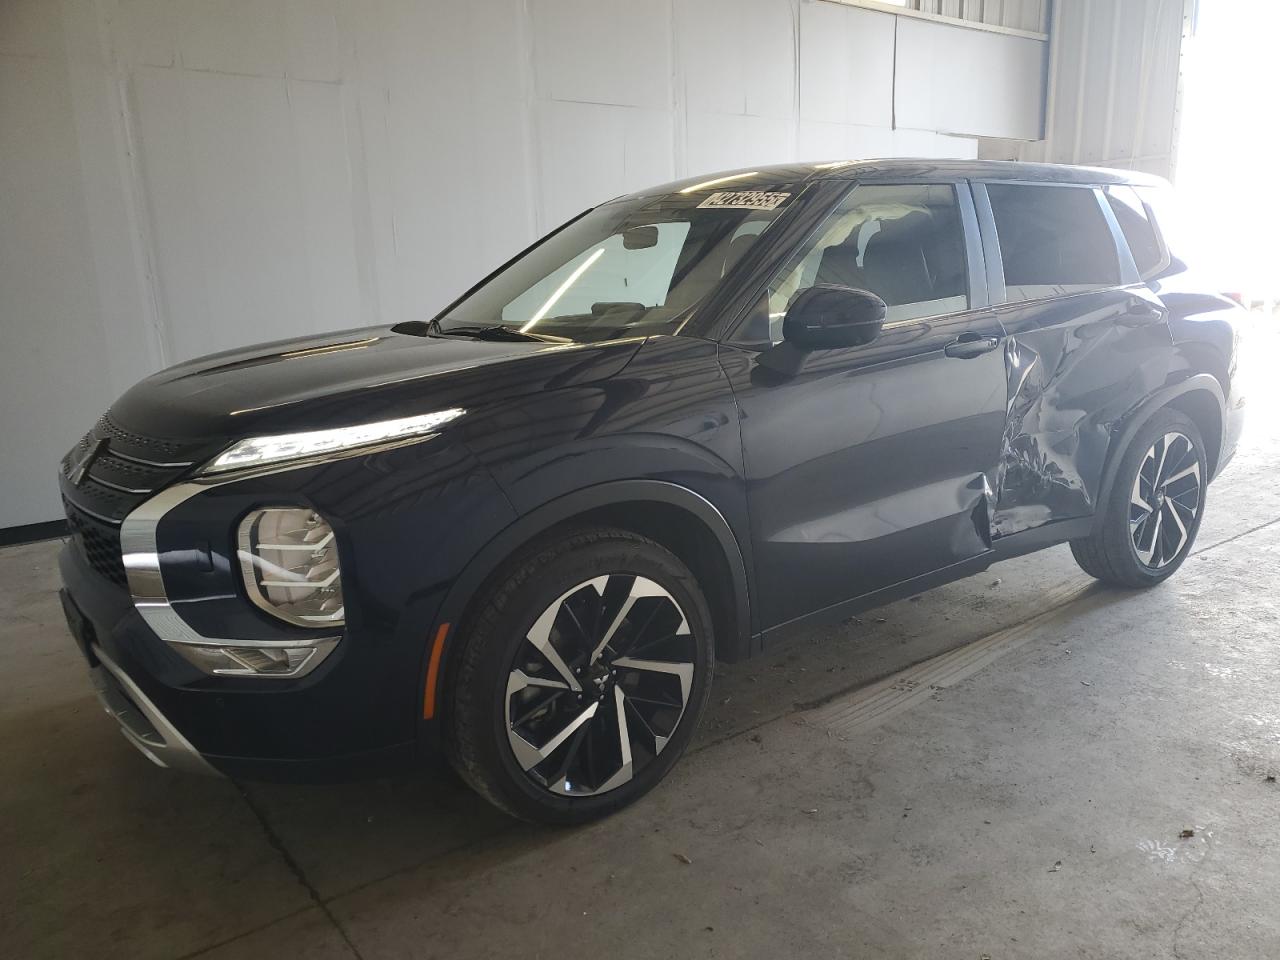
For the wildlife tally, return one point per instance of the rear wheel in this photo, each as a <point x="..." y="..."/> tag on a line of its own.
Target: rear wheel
<point x="581" y="677"/>
<point x="1150" y="521"/>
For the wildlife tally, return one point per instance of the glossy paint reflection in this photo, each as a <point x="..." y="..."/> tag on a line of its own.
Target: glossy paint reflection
<point x="868" y="465"/>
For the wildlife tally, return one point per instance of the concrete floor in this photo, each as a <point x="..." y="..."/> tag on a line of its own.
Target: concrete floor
<point x="1033" y="808"/>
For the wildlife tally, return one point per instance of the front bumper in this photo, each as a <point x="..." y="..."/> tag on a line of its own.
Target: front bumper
<point x="141" y="721"/>
<point x="333" y="725"/>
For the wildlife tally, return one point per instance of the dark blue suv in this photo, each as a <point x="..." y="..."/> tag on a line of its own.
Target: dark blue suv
<point x="688" y="421"/>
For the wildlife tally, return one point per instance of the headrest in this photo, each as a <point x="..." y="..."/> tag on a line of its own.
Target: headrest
<point x="839" y="264"/>
<point x="737" y="247"/>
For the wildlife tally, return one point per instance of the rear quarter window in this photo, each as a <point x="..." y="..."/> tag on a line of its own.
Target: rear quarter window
<point x="1054" y="240"/>
<point x="1165" y="212"/>
<point x="1139" y="232"/>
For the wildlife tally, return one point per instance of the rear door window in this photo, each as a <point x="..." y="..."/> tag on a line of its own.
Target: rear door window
<point x="1054" y="240"/>
<point x="1139" y="233"/>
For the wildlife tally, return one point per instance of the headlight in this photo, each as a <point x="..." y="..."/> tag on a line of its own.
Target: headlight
<point x="280" y="448"/>
<point x="289" y="561"/>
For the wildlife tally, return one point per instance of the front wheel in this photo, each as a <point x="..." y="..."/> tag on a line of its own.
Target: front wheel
<point x="1150" y="521"/>
<point x="582" y="675"/>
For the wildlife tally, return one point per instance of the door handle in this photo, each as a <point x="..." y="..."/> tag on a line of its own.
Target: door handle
<point x="969" y="345"/>
<point x="1141" y="314"/>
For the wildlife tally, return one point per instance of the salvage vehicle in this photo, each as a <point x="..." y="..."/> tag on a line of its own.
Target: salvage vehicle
<point x="690" y="421"/>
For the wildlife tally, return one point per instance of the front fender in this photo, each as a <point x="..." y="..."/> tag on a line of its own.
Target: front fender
<point x="530" y="526"/>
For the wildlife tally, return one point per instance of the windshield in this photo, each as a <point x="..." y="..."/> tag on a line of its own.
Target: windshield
<point x="632" y="267"/>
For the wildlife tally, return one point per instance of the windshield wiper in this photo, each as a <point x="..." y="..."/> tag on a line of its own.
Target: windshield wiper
<point x="494" y="332"/>
<point x="478" y="331"/>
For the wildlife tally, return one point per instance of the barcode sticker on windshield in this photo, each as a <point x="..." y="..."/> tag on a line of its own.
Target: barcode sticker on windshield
<point x="745" y="200"/>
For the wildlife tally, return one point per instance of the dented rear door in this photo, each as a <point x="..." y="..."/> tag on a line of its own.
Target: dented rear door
<point x="1086" y="341"/>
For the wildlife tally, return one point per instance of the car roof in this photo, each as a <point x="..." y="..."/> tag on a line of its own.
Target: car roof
<point x="903" y="168"/>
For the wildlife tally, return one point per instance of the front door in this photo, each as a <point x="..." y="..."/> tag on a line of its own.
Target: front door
<point x="872" y="465"/>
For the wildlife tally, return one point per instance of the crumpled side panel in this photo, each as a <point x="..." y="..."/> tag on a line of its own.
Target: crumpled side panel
<point x="1038" y="479"/>
<point x="1071" y="376"/>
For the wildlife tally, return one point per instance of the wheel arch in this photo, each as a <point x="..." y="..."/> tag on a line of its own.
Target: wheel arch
<point x="1199" y="396"/>
<point x="678" y="518"/>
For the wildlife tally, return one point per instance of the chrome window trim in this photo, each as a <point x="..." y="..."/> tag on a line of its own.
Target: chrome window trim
<point x="1137" y="285"/>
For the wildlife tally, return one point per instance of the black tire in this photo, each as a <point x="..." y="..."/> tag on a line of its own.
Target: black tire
<point x="1110" y="553"/>
<point x="517" y="603"/>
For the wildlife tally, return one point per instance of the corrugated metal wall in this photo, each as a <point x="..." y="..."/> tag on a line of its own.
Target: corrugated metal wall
<point x="1030" y="15"/>
<point x="1113" y="91"/>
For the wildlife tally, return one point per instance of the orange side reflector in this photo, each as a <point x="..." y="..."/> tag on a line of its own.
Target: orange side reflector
<point x="433" y="673"/>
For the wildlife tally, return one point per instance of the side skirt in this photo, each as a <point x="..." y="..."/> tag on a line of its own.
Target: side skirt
<point x="1004" y="548"/>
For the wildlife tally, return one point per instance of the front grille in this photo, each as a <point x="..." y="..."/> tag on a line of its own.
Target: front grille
<point x="126" y="469"/>
<point x="161" y="451"/>
<point x="99" y="544"/>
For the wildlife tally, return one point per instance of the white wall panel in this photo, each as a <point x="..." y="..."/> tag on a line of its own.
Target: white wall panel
<point x="965" y="148"/>
<point x="737" y="56"/>
<point x="444" y="95"/>
<point x="927" y="143"/>
<point x="846" y="65"/>
<point x="236" y="193"/>
<point x="589" y="153"/>
<point x="835" y="141"/>
<point x="27" y="29"/>
<point x="184" y="176"/>
<point x="968" y="81"/>
<point x="720" y="142"/>
<point x="52" y="343"/>
<point x="603" y="51"/>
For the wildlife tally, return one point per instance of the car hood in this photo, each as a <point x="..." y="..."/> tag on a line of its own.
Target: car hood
<point x="352" y="376"/>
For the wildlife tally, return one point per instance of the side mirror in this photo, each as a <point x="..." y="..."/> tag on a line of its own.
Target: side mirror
<point x="829" y="315"/>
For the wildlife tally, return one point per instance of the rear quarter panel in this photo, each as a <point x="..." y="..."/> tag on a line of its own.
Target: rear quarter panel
<point x="1075" y="370"/>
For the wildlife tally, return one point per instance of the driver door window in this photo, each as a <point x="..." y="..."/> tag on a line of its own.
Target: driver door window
<point x="903" y="243"/>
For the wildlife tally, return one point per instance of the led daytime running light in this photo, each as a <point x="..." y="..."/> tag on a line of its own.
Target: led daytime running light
<point x="280" y="448"/>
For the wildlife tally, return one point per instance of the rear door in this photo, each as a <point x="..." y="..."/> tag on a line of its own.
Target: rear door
<point x="872" y="465"/>
<point x="1087" y="340"/>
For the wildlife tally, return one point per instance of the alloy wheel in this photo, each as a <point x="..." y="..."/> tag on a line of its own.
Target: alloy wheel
<point x="599" y="685"/>
<point x="1165" y="500"/>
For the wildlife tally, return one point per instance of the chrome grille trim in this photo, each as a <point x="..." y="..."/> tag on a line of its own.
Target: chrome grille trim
<point x="152" y="463"/>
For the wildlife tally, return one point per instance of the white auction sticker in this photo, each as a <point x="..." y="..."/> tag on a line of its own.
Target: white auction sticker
<point x="745" y="200"/>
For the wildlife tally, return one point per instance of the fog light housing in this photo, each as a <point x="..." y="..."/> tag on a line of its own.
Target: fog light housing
<point x="276" y="660"/>
<point x="289" y="564"/>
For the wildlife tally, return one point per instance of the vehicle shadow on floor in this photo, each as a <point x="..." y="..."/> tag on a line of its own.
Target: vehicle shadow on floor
<point x="182" y="854"/>
<point x="347" y="836"/>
